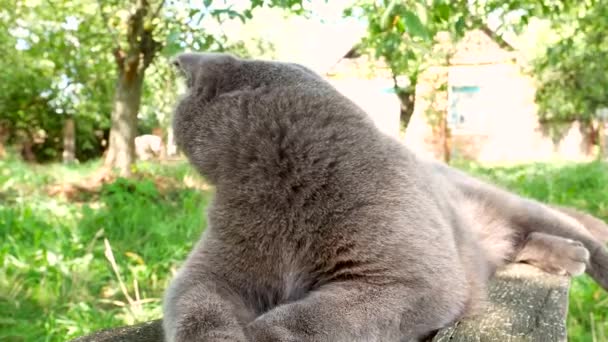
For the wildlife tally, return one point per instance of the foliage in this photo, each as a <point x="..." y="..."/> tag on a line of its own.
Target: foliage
<point x="55" y="280"/>
<point x="404" y="34"/>
<point x="570" y="71"/>
<point x="582" y="186"/>
<point x="52" y="70"/>
<point x="60" y="61"/>
<point x="573" y="83"/>
<point x="568" y="62"/>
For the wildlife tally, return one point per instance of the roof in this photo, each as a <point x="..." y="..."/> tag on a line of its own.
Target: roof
<point x="359" y="66"/>
<point x="478" y="47"/>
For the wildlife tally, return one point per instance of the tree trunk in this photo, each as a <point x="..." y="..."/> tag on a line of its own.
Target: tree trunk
<point x="4" y="133"/>
<point x="407" y="99"/>
<point x="171" y="145"/>
<point x="132" y="63"/>
<point x="437" y="113"/>
<point x="602" y="140"/>
<point x="121" y="150"/>
<point x="27" y="151"/>
<point x="446" y="143"/>
<point x="69" y="141"/>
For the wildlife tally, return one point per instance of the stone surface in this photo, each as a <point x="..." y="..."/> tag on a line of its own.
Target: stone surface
<point x="526" y="304"/>
<point x="145" y="332"/>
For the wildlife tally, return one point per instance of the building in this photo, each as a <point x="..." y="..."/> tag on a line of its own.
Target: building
<point x="369" y="84"/>
<point x="489" y="107"/>
<point x="487" y="100"/>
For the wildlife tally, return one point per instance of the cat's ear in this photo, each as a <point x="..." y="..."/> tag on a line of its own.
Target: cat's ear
<point x="187" y="64"/>
<point x="204" y="72"/>
<point x="192" y="64"/>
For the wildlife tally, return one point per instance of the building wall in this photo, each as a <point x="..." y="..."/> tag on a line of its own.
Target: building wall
<point x="369" y="85"/>
<point x="506" y="127"/>
<point x="420" y="135"/>
<point x="376" y="98"/>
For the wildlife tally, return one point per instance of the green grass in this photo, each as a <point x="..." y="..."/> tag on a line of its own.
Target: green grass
<point x="56" y="281"/>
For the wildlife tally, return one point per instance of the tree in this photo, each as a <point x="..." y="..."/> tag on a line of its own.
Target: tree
<point x="49" y="78"/>
<point x="69" y="64"/>
<point x="568" y="59"/>
<point x="570" y="71"/>
<point x="571" y="74"/>
<point x="134" y="51"/>
<point x="403" y="34"/>
<point x="143" y="28"/>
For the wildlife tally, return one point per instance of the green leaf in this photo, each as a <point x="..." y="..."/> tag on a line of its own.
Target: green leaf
<point x="400" y="26"/>
<point x="172" y="45"/>
<point x="414" y="26"/>
<point x="387" y="16"/>
<point x="443" y="11"/>
<point x="422" y="14"/>
<point x="248" y="14"/>
<point x="460" y="26"/>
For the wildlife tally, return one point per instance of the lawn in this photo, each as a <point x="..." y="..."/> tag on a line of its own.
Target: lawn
<point x="76" y="262"/>
<point x="56" y="278"/>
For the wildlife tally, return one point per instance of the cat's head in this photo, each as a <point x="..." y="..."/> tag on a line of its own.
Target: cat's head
<point x="211" y="74"/>
<point x="207" y="118"/>
<point x="196" y="118"/>
<point x="207" y="74"/>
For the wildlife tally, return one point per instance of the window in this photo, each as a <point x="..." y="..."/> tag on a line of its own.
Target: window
<point x="466" y="108"/>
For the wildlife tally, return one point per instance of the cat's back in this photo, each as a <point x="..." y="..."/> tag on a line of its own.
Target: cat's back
<point x="286" y="140"/>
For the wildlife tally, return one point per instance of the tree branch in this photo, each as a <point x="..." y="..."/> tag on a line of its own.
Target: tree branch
<point x="106" y="20"/>
<point x="496" y="37"/>
<point x="157" y="11"/>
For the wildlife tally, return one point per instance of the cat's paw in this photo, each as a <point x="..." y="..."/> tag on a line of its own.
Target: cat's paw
<point x="567" y="258"/>
<point x="554" y="254"/>
<point x="261" y="331"/>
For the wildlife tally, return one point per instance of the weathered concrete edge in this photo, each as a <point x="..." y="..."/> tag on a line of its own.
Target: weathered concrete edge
<point x="144" y="332"/>
<point x="526" y="304"/>
<point x="539" y="301"/>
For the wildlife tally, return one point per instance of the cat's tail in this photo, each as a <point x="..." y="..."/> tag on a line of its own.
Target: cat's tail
<point x="595" y="226"/>
<point x="526" y="216"/>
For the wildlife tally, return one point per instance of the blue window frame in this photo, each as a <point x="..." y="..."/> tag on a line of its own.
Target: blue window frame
<point x="465" y="109"/>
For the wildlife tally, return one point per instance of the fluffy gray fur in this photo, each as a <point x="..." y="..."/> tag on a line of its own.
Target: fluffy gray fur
<point x="324" y="229"/>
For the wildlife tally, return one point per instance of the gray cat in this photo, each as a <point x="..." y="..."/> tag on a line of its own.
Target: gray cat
<point x="324" y="229"/>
